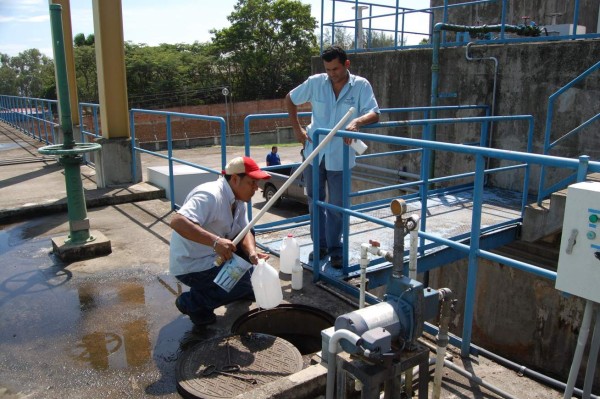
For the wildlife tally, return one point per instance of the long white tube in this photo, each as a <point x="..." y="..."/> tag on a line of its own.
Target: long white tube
<point x="291" y="179"/>
<point x="442" y="340"/>
<point x="412" y="260"/>
<point x="364" y="261"/>
<point x="592" y="357"/>
<point x="581" y="341"/>
<point x="331" y="361"/>
<point x="478" y="380"/>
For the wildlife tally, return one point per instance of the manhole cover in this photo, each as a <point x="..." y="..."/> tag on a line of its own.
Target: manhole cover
<point x="260" y="357"/>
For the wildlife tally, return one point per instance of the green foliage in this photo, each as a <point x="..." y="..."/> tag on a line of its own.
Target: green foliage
<point x="263" y="54"/>
<point x="85" y="72"/>
<point x="33" y="73"/>
<point x="266" y="51"/>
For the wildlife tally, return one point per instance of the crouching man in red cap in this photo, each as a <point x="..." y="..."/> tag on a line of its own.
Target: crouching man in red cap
<point x="203" y="228"/>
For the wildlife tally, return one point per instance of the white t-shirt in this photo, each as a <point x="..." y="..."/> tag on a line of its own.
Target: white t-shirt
<point x="209" y="206"/>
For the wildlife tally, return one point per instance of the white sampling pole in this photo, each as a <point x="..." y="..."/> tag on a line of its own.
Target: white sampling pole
<point x="291" y="179"/>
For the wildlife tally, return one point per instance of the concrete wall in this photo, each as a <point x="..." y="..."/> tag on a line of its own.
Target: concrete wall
<point x="518" y="316"/>
<point x="528" y="75"/>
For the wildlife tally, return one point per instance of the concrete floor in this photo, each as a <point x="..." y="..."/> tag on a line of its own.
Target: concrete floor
<point x="107" y="327"/>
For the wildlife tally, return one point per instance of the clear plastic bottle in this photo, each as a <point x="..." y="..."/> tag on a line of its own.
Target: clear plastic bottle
<point x="290" y="251"/>
<point x="297" y="276"/>
<point x="266" y="285"/>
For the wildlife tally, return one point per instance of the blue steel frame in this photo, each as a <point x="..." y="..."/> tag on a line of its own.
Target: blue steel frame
<point x="401" y="13"/>
<point x="29" y="122"/>
<point x="582" y="166"/>
<point x="32" y="116"/>
<point x="542" y="191"/>
<point x="169" y="157"/>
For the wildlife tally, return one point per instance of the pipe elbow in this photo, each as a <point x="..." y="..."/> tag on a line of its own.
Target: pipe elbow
<point x="338" y="336"/>
<point x="438" y="27"/>
<point x="445" y="294"/>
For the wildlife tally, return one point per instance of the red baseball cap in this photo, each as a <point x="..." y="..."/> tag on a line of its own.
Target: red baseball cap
<point x="247" y="166"/>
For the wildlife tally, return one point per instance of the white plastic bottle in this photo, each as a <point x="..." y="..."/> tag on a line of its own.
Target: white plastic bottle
<point x="266" y="285"/>
<point x="290" y="251"/>
<point x="297" y="276"/>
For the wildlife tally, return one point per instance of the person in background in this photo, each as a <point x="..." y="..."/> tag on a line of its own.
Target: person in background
<point x="273" y="157"/>
<point x="203" y="228"/>
<point x="331" y="95"/>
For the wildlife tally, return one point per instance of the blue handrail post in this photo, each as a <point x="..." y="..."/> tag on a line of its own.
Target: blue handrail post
<point x="473" y="254"/>
<point x="316" y="237"/>
<point x="582" y="170"/>
<point x="346" y="189"/>
<point x="132" y="129"/>
<point x="170" y="155"/>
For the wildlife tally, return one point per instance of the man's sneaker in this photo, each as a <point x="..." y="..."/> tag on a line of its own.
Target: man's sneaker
<point x="179" y="305"/>
<point x="203" y="321"/>
<point x="197" y="320"/>
<point x="337" y="261"/>
<point x="322" y="254"/>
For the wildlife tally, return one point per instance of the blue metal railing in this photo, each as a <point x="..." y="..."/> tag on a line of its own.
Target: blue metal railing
<point x="543" y="192"/>
<point x="472" y="251"/>
<point x="169" y="157"/>
<point x="524" y="160"/>
<point x="32" y="116"/>
<point x="424" y="111"/>
<point x="378" y="16"/>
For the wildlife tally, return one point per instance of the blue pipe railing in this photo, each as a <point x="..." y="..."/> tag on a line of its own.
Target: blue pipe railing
<point x="422" y="110"/>
<point x="524" y="160"/>
<point x="543" y="191"/>
<point x="380" y="14"/>
<point x="583" y="166"/>
<point x="169" y="157"/>
<point x="32" y="116"/>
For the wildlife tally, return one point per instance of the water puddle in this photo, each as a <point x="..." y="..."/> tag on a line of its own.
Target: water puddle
<point x="8" y="146"/>
<point x="73" y="330"/>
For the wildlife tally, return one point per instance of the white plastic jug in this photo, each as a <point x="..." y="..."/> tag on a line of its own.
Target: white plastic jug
<point x="297" y="276"/>
<point x="290" y="251"/>
<point x="266" y="285"/>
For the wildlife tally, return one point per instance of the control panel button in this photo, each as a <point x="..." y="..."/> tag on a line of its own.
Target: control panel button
<point x="593" y="218"/>
<point x="591" y="235"/>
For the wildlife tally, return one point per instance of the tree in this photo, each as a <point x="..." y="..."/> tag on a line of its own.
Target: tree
<point x="33" y="71"/>
<point x="8" y="77"/>
<point x="267" y="49"/>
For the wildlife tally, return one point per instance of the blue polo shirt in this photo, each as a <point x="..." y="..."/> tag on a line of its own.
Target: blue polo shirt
<point x="327" y="111"/>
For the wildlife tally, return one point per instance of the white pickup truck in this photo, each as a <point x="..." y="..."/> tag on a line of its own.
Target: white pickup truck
<point x="279" y="176"/>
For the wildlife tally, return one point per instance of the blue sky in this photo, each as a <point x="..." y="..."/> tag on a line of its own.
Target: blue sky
<point x="25" y="24"/>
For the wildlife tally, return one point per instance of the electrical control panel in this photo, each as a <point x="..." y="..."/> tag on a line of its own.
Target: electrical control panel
<point x="579" y="260"/>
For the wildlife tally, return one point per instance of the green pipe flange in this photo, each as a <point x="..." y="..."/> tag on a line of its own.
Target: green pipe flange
<point x="78" y="148"/>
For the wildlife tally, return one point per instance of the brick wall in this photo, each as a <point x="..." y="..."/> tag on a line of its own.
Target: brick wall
<point x="150" y="127"/>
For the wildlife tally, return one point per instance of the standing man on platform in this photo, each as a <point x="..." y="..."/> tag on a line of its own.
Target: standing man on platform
<point x="331" y="95"/>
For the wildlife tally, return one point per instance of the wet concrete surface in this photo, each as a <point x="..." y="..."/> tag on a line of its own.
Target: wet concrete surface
<point x="107" y="327"/>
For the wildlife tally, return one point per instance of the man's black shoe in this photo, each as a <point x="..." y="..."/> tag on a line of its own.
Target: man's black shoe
<point x="197" y="320"/>
<point x="203" y="321"/>
<point x="179" y="305"/>
<point x="322" y="254"/>
<point x="337" y="261"/>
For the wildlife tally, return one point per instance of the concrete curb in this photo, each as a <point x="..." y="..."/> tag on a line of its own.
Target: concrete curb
<point x="93" y="198"/>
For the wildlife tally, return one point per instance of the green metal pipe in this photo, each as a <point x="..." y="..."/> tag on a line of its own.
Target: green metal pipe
<point x="78" y="221"/>
<point x="62" y="83"/>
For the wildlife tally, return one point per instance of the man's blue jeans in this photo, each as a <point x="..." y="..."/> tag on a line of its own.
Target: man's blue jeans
<point x="330" y="222"/>
<point x="205" y="296"/>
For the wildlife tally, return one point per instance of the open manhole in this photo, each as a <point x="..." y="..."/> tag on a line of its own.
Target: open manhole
<point x="300" y="325"/>
<point x="227" y="367"/>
